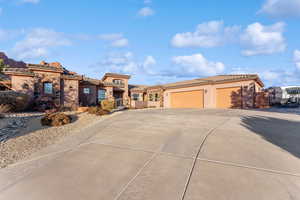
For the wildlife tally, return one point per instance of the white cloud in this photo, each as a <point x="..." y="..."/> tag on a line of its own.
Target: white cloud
<point x="146" y="11"/>
<point x="111" y="36"/>
<point x="197" y="65"/>
<point x="116" y="39"/>
<point x="126" y="63"/>
<point x="297" y="58"/>
<point x="4" y="34"/>
<point x="120" y="43"/>
<point x="208" y="34"/>
<point x="272" y="77"/>
<point x="281" y="8"/>
<point x="30" y="1"/>
<point x="259" y="39"/>
<point x="38" y="42"/>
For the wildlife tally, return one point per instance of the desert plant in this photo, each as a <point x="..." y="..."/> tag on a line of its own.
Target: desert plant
<point x="4" y="108"/>
<point x="96" y="110"/>
<point x="16" y="101"/>
<point x="93" y="109"/>
<point x="101" y="112"/>
<point x="2" y="65"/>
<point x="107" y="105"/>
<point x="55" y="119"/>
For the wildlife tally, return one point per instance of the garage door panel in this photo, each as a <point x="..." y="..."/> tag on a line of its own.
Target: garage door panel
<point x="229" y="97"/>
<point x="187" y="99"/>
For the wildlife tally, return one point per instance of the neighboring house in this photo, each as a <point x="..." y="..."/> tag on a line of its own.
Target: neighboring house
<point x="223" y="91"/>
<point x="52" y="82"/>
<point x="112" y="87"/>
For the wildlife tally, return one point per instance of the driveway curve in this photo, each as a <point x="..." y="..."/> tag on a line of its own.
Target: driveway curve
<point x="168" y="155"/>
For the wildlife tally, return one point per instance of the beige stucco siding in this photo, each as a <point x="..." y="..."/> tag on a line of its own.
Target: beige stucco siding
<point x="23" y="84"/>
<point x="210" y="92"/>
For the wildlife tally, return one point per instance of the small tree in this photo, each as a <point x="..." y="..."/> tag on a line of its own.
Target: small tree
<point x="2" y="65"/>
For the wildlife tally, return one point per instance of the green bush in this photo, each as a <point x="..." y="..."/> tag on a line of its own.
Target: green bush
<point x="107" y="105"/>
<point x="16" y="101"/>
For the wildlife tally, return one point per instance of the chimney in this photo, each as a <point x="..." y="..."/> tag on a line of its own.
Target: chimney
<point x="43" y="63"/>
<point x="55" y="64"/>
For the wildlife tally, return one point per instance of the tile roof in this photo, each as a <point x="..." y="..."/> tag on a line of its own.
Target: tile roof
<point x="216" y="79"/>
<point x="115" y="75"/>
<point x="209" y="80"/>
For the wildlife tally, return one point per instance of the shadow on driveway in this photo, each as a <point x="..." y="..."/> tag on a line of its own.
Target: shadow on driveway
<point x="283" y="133"/>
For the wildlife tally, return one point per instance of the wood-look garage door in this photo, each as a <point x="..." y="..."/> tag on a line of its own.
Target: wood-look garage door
<point x="189" y="99"/>
<point x="229" y="97"/>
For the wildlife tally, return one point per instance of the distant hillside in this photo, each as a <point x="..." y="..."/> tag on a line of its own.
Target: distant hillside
<point x="11" y="62"/>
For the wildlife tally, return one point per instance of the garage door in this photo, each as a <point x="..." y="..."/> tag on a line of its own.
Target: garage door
<point x="190" y="99"/>
<point x="229" y="97"/>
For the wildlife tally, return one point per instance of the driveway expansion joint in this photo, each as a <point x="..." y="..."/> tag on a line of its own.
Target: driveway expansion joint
<point x="198" y="153"/>
<point x="224" y="163"/>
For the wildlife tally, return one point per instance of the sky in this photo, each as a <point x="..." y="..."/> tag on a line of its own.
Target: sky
<point x="157" y="41"/>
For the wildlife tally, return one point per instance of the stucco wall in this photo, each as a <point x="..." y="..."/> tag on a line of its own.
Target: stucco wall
<point x="71" y="93"/>
<point x="109" y="92"/>
<point x="23" y="84"/>
<point x="125" y="88"/>
<point x="53" y="77"/>
<point x="210" y="94"/>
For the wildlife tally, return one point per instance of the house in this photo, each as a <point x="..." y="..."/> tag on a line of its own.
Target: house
<point x="222" y="91"/>
<point x="51" y="82"/>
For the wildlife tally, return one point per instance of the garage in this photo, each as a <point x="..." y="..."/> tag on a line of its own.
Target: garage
<point x="187" y="99"/>
<point x="229" y="97"/>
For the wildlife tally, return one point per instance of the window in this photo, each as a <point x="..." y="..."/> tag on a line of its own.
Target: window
<point x="135" y="97"/>
<point x="101" y="94"/>
<point x="150" y="97"/>
<point x="156" y="97"/>
<point x="118" y="81"/>
<point x="48" y="88"/>
<point x="86" y="90"/>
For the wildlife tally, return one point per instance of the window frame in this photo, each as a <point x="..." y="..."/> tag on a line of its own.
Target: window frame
<point x="86" y="89"/>
<point x="150" y="97"/>
<point x="135" y="97"/>
<point x="156" y="97"/>
<point x="99" y="98"/>
<point x="118" y="81"/>
<point x="46" y="88"/>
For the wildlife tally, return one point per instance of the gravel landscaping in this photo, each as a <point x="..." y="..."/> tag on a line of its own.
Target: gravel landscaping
<point x="22" y="135"/>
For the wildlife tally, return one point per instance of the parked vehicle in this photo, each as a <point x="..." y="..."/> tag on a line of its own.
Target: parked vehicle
<point x="285" y="96"/>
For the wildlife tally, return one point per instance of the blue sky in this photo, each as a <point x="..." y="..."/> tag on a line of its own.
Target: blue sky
<point x="157" y="41"/>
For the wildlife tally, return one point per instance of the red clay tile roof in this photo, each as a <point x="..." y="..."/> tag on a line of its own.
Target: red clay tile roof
<point x="116" y="75"/>
<point x="209" y="80"/>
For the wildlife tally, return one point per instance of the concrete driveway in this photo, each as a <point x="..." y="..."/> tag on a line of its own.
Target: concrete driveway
<point x="168" y="155"/>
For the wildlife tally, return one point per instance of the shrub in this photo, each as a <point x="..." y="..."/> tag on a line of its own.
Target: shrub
<point x="43" y="104"/>
<point x="55" y="119"/>
<point x="4" y="108"/>
<point x="101" y="112"/>
<point x="95" y="110"/>
<point x="16" y="101"/>
<point x="107" y="105"/>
